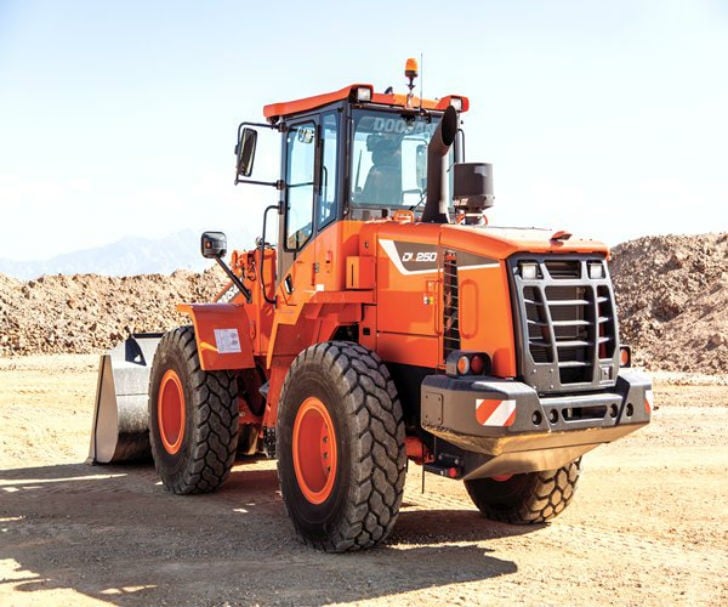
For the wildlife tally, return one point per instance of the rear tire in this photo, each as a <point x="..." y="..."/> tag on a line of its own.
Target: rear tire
<point x="523" y="499"/>
<point x="193" y="417"/>
<point x="341" y="453"/>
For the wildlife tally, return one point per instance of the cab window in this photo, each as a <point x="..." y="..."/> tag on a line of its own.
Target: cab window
<point x="389" y="159"/>
<point x="327" y="203"/>
<point x="301" y="155"/>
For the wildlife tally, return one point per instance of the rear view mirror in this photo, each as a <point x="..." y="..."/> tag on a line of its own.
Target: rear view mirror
<point x="213" y="245"/>
<point x="245" y="150"/>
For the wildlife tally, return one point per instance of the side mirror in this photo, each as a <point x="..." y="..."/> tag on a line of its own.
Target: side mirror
<point x="245" y="150"/>
<point x="213" y="245"/>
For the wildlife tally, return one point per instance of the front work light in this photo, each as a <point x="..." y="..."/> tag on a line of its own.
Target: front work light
<point x="529" y="270"/>
<point x="363" y="94"/>
<point x="596" y="270"/>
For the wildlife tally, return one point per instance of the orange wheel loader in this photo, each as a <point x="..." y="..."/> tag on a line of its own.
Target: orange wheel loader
<point x="389" y="323"/>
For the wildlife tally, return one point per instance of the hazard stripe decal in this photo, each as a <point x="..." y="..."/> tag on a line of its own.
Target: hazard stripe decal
<point x="499" y="413"/>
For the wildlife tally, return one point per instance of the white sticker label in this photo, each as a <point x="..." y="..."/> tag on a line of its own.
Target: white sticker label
<point x="227" y="341"/>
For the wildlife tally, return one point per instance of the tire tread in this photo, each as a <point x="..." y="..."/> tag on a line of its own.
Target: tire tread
<point x="378" y="438"/>
<point x="215" y="420"/>
<point x="542" y="496"/>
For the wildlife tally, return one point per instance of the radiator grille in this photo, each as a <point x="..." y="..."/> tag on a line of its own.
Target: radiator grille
<point x="451" y="308"/>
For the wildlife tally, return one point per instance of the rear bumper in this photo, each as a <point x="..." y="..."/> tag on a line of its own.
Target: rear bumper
<point x="512" y="429"/>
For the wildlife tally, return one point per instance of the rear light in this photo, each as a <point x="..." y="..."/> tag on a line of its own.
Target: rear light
<point x="456" y="103"/>
<point x="477" y="364"/>
<point x="468" y="363"/>
<point x="625" y="356"/>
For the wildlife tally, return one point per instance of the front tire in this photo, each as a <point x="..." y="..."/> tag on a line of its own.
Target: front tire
<point x="524" y="499"/>
<point x="341" y="453"/>
<point x="193" y="417"/>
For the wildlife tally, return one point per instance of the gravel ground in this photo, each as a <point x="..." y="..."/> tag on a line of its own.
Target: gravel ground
<point x="648" y="525"/>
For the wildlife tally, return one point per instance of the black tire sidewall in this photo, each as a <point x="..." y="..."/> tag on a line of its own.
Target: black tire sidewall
<point x="169" y="356"/>
<point x="314" y="519"/>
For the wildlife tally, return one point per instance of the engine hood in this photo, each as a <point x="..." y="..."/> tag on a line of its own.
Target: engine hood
<point x="502" y="242"/>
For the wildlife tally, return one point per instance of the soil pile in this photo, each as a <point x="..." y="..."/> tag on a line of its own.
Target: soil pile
<point x="672" y="295"/>
<point x="86" y="313"/>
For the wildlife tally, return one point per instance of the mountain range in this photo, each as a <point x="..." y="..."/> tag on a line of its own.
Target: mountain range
<point x="126" y="257"/>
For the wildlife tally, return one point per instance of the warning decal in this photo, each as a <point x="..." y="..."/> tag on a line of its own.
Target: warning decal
<point x="491" y="412"/>
<point x="227" y="341"/>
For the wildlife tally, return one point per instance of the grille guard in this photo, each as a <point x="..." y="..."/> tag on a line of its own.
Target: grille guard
<point x="565" y="322"/>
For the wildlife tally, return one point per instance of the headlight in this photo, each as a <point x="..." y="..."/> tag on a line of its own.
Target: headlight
<point x="529" y="270"/>
<point x="596" y="270"/>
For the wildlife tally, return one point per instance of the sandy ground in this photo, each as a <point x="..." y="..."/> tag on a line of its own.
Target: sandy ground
<point x="648" y="526"/>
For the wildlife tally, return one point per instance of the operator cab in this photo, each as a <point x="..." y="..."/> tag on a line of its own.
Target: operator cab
<point x="354" y="154"/>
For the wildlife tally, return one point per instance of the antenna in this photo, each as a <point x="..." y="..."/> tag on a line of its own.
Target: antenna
<point x="422" y="94"/>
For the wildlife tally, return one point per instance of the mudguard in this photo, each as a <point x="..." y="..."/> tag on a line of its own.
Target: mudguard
<point x="223" y="336"/>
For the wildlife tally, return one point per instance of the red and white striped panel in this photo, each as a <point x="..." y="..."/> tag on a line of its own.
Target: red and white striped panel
<point x="649" y="401"/>
<point x="499" y="413"/>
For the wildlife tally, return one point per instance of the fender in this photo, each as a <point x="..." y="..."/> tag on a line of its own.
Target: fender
<point x="222" y="333"/>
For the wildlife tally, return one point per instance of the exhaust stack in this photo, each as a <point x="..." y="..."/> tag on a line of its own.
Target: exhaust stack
<point x="442" y="139"/>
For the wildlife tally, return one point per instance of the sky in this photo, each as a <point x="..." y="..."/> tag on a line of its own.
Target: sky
<point x="607" y="119"/>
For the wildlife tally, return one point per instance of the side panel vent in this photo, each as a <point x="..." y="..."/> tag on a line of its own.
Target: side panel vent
<point x="450" y="308"/>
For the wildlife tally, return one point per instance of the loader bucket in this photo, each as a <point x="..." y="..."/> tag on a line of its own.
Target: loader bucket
<point x="120" y="430"/>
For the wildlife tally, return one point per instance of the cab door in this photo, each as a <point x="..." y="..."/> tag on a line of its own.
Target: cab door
<point x="301" y="153"/>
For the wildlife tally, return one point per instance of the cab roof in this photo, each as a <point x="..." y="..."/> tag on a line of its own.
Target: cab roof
<point x="274" y="111"/>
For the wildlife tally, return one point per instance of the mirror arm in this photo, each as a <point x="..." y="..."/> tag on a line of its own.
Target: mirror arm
<point x="236" y="280"/>
<point x="263" y="125"/>
<point x="278" y="185"/>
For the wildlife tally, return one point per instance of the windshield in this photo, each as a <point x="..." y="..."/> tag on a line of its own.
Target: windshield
<point x="389" y="159"/>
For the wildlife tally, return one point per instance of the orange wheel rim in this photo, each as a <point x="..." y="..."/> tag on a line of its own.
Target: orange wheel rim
<point x="171" y="412"/>
<point x="314" y="451"/>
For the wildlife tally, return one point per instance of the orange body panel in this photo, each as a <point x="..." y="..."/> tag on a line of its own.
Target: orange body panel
<point x="222" y="332"/>
<point x="360" y="272"/>
<point x="246" y="264"/>
<point x="485" y="317"/>
<point x="417" y="350"/>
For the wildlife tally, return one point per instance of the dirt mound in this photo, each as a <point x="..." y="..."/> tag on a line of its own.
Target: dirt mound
<point x="89" y="313"/>
<point x="672" y="295"/>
